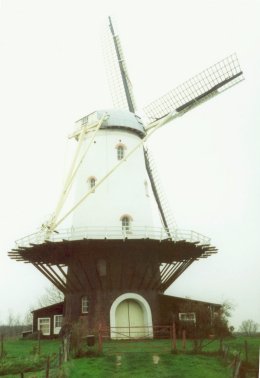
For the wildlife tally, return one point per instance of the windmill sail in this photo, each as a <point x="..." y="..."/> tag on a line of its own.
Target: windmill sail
<point x="164" y="209"/>
<point x="196" y="90"/>
<point x="118" y="78"/>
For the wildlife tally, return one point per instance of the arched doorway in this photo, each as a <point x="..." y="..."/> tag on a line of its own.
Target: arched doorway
<point x="130" y="317"/>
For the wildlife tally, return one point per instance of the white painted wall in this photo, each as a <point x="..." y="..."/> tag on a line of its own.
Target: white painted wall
<point x="124" y="192"/>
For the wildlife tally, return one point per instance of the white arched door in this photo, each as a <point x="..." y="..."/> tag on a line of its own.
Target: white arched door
<point x="129" y="319"/>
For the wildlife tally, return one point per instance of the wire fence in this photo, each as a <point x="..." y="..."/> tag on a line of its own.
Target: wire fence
<point x="238" y="361"/>
<point x="160" y="338"/>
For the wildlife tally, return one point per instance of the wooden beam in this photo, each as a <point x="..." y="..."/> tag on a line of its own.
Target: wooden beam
<point x="53" y="281"/>
<point x="69" y="284"/>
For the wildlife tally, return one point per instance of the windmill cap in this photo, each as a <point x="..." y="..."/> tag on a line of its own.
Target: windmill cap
<point x="115" y="119"/>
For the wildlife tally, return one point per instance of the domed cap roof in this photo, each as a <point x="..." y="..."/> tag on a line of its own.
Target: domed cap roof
<point x="116" y="118"/>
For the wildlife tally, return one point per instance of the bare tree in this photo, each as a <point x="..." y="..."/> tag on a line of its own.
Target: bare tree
<point x="248" y="327"/>
<point x="28" y="318"/>
<point x="13" y="326"/>
<point x="51" y="296"/>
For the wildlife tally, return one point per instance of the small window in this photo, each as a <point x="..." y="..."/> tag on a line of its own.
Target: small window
<point x="120" y="151"/>
<point x="84" y="305"/>
<point x="102" y="267"/>
<point x="126" y="224"/>
<point x="44" y="325"/>
<point x="187" y="316"/>
<point x="57" y="324"/>
<point x="92" y="182"/>
<point x="146" y="188"/>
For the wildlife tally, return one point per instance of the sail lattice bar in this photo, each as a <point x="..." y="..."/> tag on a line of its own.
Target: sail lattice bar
<point x="208" y="83"/>
<point x="118" y="78"/>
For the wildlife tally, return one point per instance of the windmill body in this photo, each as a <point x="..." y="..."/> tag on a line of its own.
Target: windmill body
<point x="124" y="197"/>
<point x="116" y="268"/>
<point x="114" y="263"/>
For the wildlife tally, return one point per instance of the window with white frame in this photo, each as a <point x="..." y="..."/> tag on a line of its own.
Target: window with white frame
<point x="57" y="324"/>
<point x="44" y="325"/>
<point x="187" y="317"/>
<point x="92" y="182"/>
<point x="84" y="305"/>
<point x="126" y="223"/>
<point x="120" y="152"/>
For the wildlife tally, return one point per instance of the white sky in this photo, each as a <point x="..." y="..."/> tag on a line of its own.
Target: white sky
<point x="52" y="73"/>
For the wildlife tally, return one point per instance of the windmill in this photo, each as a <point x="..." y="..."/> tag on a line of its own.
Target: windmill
<point x="112" y="264"/>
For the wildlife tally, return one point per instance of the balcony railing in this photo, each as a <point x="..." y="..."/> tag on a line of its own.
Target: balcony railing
<point x="154" y="233"/>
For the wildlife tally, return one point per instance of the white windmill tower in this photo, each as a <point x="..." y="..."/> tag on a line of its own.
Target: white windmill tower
<point x="113" y="263"/>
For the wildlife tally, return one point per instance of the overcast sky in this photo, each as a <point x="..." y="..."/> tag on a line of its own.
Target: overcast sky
<point x="52" y="74"/>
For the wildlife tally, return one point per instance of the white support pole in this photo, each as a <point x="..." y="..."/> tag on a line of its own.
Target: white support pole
<point x="71" y="175"/>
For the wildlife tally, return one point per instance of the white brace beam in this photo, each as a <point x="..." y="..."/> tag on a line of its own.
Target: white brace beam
<point x="72" y="173"/>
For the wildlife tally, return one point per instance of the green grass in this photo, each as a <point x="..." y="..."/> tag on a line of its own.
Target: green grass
<point x="140" y="365"/>
<point x="238" y="344"/>
<point x="22" y="348"/>
<point x="22" y="356"/>
<point x="125" y="359"/>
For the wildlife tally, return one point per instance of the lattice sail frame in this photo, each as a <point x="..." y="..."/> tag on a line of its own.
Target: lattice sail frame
<point x="113" y="71"/>
<point x="209" y="82"/>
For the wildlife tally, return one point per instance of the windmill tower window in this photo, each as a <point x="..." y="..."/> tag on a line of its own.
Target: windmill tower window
<point x="126" y="223"/>
<point x="84" y="305"/>
<point x="92" y="182"/>
<point x="146" y="188"/>
<point x="120" y="151"/>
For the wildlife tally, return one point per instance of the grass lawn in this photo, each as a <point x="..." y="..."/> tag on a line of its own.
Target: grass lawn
<point x="22" y="356"/>
<point x="123" y="359"/>
<point x="144" y="365"/>
<point x="238" y="344"/>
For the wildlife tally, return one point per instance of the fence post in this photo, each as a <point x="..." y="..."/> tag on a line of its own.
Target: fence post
<point x="60" y="357"/>
<point x="100" y="341"/>
<point x="2" y="346"/>
<point x="246" y="350"/>
<point x="235" y="364"/>
<point x="237" y="368"/>
<point x="184" y="339"/>
<point x="220" y="344"/>
<point x="47" y="367"/>
<point x="174" y="348"/>
<point x="39" y="342"/>
<point x="226" y="353"/>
